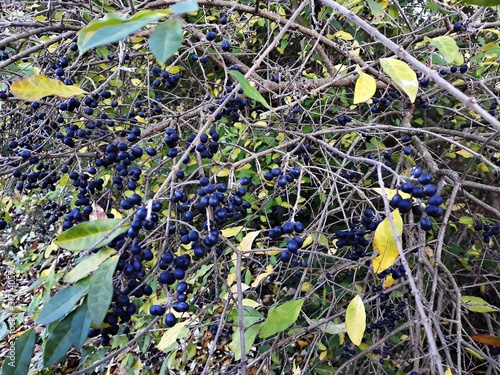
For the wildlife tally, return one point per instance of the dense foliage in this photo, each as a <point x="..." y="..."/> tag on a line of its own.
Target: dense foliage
<point x="273" y="187"/>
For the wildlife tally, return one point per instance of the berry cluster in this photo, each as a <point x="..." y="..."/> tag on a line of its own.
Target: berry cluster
<point x="487" y="231"/>
<point x="383" y="102"/>
<point x="419" y="188"/>
<point x="391" y="314"/>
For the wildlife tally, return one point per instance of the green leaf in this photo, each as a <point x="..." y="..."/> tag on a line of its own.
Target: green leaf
<point x="80" y="325"/>
<point x="101" y="290"/>
<point x="365" y="87"/>
<point x="448" y="48"/>
<point x="375" y="8"/>
<point x="248" y="89"/>
<point x="88" y="265"/>
<point x="281" y="318"/>
<point x="355" y="320"/>
<point x="62" y="336"/>
<point x="166" y="40"/>
<point x="250" y="316"/>
<point x="115" y="27"/>
<point x="402" y="75"/>
<point x="466" y="220"/>
<point x="250" y="335"/>
<point x="477" y="304"/>
<point x="39" y="86"/>
<point x="63" y="302"/>
<point x="385" y="243"/>
<point x="187" y="6"/>
<point x="90" y="235"/>
<point x="23" y="353"/>
<point x="483" y="3"/>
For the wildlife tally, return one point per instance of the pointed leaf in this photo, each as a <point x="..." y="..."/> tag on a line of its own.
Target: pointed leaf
<point x="355" y="320"/>
<point x="483" y="3"/>
<point x="63" y="302"/>
<point x="487" y="339"/>
<point x="115" y="27"/>
<point x="231" y="232"/>
<point x="448" y="372"/>
<point x="365" y="87"/>
<point x="63" y="335"/>
<point x="477" y="304"/>
<point x="281" y="318"/>
<point x="101" y="290"/>
<point x="80" y="325"/>
<point x="250" y="335"/>
<point x="88" y="265"/>
<point x="187" y="6"/>
<point x="172" y="334"/>
<point x="402" y="75"/>
<point x="166" y="40"/>
<point x="248" y="89"/>
<point x="86" y="235"/>
<point x="385" y="243"/>
<point x="39" y="86"/>
<point x="23" y="353"/>
<point x="247" y="241"/>
<point x="448" y="48"/>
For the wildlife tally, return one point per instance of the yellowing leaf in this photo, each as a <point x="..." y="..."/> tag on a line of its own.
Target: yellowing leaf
<point x="231" y="232"/>
<point x="170" y="337"/>
<point x="448" y="372"/>
<point x="344" y="35"/>
<point x="448" y="48"/>
<point x="355" y="320"/>
<point x="465" y="154"/>
<point x="389" y="281"/>
<point x="247" y="241"/>
<point x="477" y="304"/>
<point x="402" y="75"/>
<point x="389" y="193"/>
<point x="385" y="243"/>
<point x="365" y="87"/>
<point x="37" y="87"/>
<point x="262" y="276"/>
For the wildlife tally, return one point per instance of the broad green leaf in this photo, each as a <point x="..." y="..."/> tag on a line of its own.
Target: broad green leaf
<point x="39" y="86"/>
<point x="483" y="3"/>
<point x="101" y="290"/>
<point x="231" y="232"/>
<point x="248" y="89"/>
<point x="166" y="40"/>
<point x="365" y="87"/>
<point x="448" y="48"/>
<point x="23" y="353"/>
<point x="375" y="8"/>
<point x="187" y="6"/>
<point x="250" y="335"/>
<point x="80" y="324"/>
<point x="477" y="304"/>
<point x="402" y="75"/>
<point x="63" y="302"/>
<point x="355" y="320"/>
<point x="466" y="220"/>
<point x="384" y="242"/>
<point x="172" y="334"/>
<point x="247" y="241"/>
<point x="281" y="318"/>
<point x="328" y="326"/>
<point x="115" y="27"/>
<point x="87" y="235"/>
<point x="88" y="265"/>
<point x="62" y="336"/>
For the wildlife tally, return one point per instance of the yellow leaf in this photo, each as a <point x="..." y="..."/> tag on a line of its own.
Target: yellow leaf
<point x="250" y="303"/>
<point x="365" y="87"/>
<point x="247" y="241"/>
<point x="385" y="243"/>
<point x="231" y="232"/>
<point x="355" y="320"/>
<point x="402" y="75"/>
<point x="465" y="154"/>
<point x="389" y="193"/>
<point x="448" y="372"/>
<point x="171" y="336"/>
<point x="262" y="276"/>
<point x="39" y="86"/>
<point x="344" y="35"/>
<point x="389" y="281"/>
